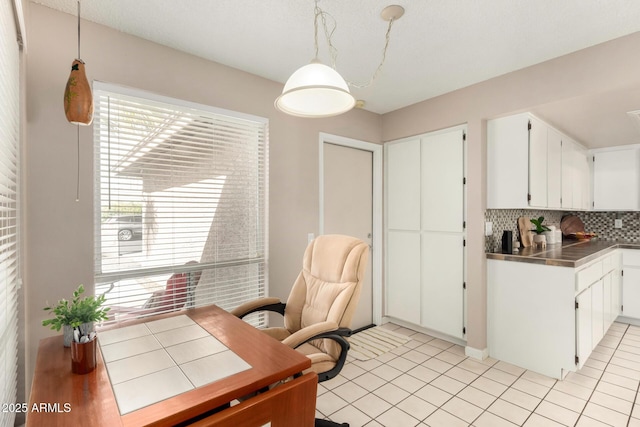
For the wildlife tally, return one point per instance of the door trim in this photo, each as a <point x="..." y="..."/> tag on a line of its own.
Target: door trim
<point x="376" y="250"/>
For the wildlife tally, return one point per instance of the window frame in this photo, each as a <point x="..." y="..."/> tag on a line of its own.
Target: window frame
<point x="105" y="277"/>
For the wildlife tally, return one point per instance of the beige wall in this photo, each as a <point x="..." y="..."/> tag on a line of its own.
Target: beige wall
<point x="59" y="232"/>
<point x="607" y="67"/>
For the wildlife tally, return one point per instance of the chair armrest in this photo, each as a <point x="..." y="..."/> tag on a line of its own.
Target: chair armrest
<point x="260" y="304"/>
<point x="310" y="333"/>
<point x="323" y="330"/>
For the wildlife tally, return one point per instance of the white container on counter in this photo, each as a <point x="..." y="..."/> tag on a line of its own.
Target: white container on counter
<point x="553" y="236"/>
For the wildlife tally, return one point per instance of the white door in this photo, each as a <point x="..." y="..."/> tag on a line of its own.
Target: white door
<point x="443" y="232"/>
<point x="568" y="174"/>
<point x="538" y="163"/>
<point x="402" y="177"/>
<point x="631" y="292"/>
<point x="348" y="208"/>
<point x="583" y="327"/>
<point x="554" y="169"/>
<point x="597" y="313"/>
<point x="403" y="276"/>
<point x="613" y="171"/>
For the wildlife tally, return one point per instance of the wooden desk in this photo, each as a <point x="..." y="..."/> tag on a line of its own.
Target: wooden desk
<point x="91" y="400"/>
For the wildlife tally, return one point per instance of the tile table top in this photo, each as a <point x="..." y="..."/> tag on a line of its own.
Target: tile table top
<point x="153" y="361"/>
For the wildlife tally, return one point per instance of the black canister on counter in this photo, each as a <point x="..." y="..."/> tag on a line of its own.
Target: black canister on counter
<point x="507" y="242"/>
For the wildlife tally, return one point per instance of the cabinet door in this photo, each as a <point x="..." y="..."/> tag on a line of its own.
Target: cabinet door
<point x="554" y="169"/>
<point x="442" y="182"/>
<point x="403" y="185"/>
<point x="631" y="292"/>
<point x="607" y="300"/>
<point x="442" y="281"/>
<point x="403" y="275"/>
<point x="537" y="163"/>
<point x="616" y="293"/>
<point x="507" y="162"/>
<point x="584" y="180"/>
<point x="583" y="327"/>
<point x="597" y="313"/>
<point x="569" y="173"/>
<point x="613" y="171"/>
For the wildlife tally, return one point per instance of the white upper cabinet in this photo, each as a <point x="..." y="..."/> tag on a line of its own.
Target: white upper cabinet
<point x="575" y="175"/>
<point x="530" y="166"/>
<point x="537" y="163"/>
<point x="554" y="168"/>
<point x="616" y="176"/>
<point x="582" y="184"/>
<point x="507" y="162"/>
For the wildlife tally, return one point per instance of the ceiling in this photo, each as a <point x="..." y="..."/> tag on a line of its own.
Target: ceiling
<point x="438" y="45"/>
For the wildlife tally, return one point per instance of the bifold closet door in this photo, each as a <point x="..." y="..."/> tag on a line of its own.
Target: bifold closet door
<point x="442" y="249"/>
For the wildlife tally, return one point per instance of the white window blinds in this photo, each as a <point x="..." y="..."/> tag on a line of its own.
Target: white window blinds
<point x="9" y="160"/>
<point x="181" y="202"/>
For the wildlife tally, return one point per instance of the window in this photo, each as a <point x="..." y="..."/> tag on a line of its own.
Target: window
<point x="9" y="172"/>
<point x="181" y="202"/>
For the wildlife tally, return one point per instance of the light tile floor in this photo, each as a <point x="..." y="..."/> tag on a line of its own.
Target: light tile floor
<point x="430" y="382"/>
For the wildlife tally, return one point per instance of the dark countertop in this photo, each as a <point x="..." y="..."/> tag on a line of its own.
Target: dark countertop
<point x="570" y="253"/>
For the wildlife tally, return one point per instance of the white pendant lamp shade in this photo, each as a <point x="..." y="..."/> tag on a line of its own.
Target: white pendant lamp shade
<point x="315" y="90"/>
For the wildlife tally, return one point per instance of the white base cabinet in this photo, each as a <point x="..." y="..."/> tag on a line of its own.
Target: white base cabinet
<point x="425" y="231"/>
<point x="547" y="318"/>
<point x="631" y="283"/>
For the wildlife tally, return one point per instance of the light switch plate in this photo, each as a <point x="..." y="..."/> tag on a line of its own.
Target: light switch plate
<point x="617" y="223"/>
<point x="488" y="228"/>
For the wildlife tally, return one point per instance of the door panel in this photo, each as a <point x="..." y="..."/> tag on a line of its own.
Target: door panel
<point x="348" y="208"/>
<point x="403" y="276"/>
<point x="554" y="168"/>
<point x="631" y="292"/>
<point x="583" y="327"/>
<point x="403" y="185"/>
<point x="597" y="313"/>
<point x="442" y="188"/>
<point x="442" y="280"/>
<point x="538" y="163"/>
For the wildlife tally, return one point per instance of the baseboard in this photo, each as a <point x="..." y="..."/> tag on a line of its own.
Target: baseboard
<point x="474" y="353"/>
<point x="628" y="320"/>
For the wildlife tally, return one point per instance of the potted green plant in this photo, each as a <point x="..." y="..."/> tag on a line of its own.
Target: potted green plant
<point x="539" y="239"/>
<point x="79" y="313"/>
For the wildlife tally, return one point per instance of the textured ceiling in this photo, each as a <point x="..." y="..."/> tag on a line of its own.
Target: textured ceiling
<point x="436" y="47"/>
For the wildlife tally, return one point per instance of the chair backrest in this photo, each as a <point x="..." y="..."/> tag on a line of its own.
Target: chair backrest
<point x="329" y="285"/>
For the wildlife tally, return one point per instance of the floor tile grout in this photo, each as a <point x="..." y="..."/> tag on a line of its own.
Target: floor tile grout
<point x="618" y="336"/>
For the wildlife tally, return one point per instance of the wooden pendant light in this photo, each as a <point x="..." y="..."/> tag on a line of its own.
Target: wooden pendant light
<point x="78" y="99"/>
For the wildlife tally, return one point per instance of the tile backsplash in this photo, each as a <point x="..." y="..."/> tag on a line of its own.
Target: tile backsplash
<point x="601" y="223"/>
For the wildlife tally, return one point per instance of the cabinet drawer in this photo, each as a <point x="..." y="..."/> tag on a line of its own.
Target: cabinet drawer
<point x="589" y="275"/>
<point x="631" y="257"/>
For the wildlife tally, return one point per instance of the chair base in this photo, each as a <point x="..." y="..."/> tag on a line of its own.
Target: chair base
<point x="327" y="423"/>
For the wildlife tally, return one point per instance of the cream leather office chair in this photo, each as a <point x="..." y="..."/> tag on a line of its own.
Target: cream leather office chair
<point x="324" y="297"/>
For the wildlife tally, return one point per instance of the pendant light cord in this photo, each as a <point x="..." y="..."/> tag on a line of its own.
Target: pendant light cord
<point x="79" y="30"/>
<point x="78" y="166"/>
<point x="321" y="16"/>
<point x="78" y="126"/>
